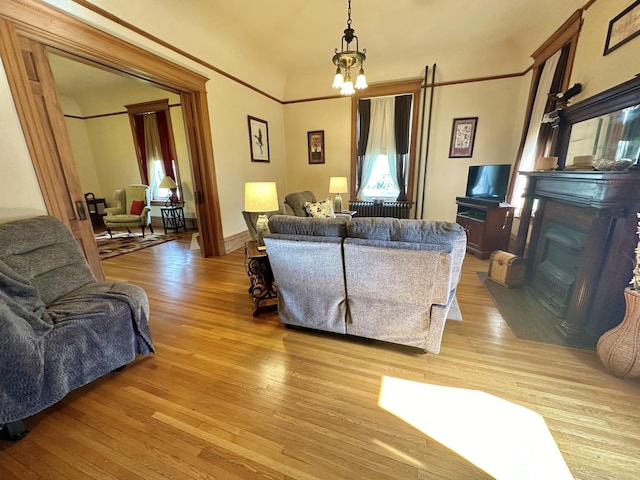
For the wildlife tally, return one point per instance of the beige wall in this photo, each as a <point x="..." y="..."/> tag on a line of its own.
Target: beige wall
<point x="498" y="106"/>
<point x="20" y="190"/>
<point x="332" y="116"/>
<point x="229" y="105"/>
<point x="599" y="72"/>
<point x="81" y="146"/>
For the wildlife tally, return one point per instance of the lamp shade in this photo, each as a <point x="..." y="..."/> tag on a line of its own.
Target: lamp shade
<point x="167" y="182"/>
<point x="260" y="197"/>
<point x="338" y="185"/>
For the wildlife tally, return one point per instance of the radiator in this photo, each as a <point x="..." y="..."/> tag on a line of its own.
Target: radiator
<point x="381" y="209"/>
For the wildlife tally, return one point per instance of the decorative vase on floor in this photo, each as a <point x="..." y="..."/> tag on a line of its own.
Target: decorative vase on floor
<point x="619" y="348"/>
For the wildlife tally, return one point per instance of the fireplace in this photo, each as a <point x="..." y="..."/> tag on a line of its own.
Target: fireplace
<point x="581" y="248"/>
<point x="555" y="270"/>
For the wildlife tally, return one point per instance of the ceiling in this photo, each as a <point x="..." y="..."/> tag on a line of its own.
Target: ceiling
<point x="298" y="37"/>
<point x="298" y="34"/>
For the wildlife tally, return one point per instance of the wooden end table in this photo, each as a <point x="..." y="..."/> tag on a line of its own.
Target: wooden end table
<point x="259" y="271"/>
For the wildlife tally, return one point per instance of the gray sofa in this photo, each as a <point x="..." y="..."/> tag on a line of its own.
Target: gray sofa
<point x="382" y="278"/>
<point x="293" y="204"/>
<point x="59" y="328"/>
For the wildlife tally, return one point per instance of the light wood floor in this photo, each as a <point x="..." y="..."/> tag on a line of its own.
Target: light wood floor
<point x="230" y="396"/>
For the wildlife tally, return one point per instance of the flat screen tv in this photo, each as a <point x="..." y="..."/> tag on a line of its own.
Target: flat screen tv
<point x="488" y="182"/>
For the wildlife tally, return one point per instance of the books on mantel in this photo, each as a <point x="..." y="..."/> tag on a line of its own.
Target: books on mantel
<point x="581" y="162"/>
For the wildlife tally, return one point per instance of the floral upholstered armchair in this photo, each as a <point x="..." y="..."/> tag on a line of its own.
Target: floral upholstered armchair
<point x="132" y="210"/>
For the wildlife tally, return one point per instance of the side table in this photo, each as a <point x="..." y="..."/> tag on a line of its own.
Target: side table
<point x="173" y="218"/>
<point x="259" y="271"/>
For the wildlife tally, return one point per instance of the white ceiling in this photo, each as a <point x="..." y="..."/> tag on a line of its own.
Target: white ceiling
<point x="298" y="37"/>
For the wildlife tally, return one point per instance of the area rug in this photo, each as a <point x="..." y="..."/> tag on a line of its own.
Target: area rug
<point x="123" y="243"/>
<point x="526" y="317"/>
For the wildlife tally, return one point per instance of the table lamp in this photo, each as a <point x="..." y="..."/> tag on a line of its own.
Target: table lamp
<point x="261" y="197"/>
<point x="168" y="182"/>
<point x="338" y="185"/>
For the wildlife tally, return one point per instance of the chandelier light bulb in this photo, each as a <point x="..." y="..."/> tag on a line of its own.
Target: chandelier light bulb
<point x="338" y="79"/>
<point x="361" y="80"/>
<point x="347" y="87"/>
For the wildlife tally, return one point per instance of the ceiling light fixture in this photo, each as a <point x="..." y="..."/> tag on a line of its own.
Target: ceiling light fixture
<point x="347" y="59"/>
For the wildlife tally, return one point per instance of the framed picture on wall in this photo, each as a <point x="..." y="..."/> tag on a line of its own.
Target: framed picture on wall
<point x="315" y="145"/>
<point x="258" y="139"/>
<point x="463" y="136"/>
<point x="623" y="27"/>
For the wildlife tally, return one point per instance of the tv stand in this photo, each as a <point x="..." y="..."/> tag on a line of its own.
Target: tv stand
<point x="488" y="227"/>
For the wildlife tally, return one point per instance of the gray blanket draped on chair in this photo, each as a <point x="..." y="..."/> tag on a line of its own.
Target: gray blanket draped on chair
<point x="48" y="350"/>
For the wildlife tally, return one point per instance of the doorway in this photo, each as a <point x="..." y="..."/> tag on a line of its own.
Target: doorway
<point x="30" y="29"/>
<point x="92" y="100"/>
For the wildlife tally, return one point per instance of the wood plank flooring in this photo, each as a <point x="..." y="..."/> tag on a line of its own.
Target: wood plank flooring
<point x="230" y="396"/>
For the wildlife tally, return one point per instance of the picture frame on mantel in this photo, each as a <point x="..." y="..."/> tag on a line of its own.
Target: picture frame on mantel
<point x="623" y="27"/>
<point x="258" y="139"/>
<point x="315" y="146"/>
<point x="463" y="136"/>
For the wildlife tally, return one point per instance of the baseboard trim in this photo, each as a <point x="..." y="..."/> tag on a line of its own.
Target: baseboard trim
<point x="236" y="241"/>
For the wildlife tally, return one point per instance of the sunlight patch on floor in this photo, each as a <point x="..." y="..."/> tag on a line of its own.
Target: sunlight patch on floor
<point x="400" y="454"/>
<point x="502" y="438"/>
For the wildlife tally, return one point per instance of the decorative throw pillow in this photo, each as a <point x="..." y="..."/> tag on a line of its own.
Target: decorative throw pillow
<point x="136" y="207"/>
<point x="320" y="209"/>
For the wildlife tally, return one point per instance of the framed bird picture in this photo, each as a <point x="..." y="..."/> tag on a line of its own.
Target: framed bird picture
<point x="258" y="139"/>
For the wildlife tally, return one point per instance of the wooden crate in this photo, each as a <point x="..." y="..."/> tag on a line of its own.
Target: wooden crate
<point x="507" y="269"/>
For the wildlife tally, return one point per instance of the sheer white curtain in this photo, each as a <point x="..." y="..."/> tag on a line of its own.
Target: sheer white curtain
<point x="381" y="140"/>
<point x="537" y="112"/>
<point x="155" y="167"/>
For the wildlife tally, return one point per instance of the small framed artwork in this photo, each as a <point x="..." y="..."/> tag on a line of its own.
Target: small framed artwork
<point x="623" y="27"/>
<point x="258" y="139"/>
<point x="315" y="144"/>
<point x="463" y="136"/>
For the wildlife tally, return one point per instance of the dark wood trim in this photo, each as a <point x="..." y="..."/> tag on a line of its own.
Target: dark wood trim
<point x="481" y="79"/>
<point x="364" y="94"/>
<point x="159" y="41"/>
<point x="567" y="32"/>
<point x="89" y="117"/>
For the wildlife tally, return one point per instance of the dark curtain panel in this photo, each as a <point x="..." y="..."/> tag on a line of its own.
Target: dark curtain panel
<point x="163" y="130"/>
<point x="364" y="120"/>
<point x="138" y="123"/>
<point x="402" y="126"/>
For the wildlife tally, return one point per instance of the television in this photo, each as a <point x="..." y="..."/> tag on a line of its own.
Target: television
<point x="488" y="183"/>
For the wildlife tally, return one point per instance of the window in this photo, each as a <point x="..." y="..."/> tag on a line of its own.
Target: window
<point x="552" y="64"/>
<point x="383" y="142"/>
<point x="153" y="138"/>
<point x="380" y="183"/>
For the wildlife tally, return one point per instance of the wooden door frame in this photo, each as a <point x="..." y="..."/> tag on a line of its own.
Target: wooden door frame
<point x="56" y="29"/>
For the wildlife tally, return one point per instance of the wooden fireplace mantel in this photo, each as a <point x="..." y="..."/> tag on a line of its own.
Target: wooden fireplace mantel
<point x="604" y="206"/>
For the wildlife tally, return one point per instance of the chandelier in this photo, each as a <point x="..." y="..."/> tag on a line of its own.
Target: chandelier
<point x="347" y="59"/>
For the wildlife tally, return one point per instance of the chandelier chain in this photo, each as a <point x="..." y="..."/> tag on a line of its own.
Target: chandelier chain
<point x="349" y="15"/>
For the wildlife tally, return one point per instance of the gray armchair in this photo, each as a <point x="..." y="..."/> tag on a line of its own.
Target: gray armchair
<point x="60" y="329"/>
<point x="125" y="214"/>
